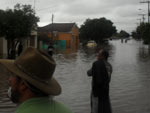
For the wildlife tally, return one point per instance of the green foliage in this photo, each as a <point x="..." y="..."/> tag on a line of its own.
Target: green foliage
<point x="143" y="31"/>
<point x="17" y="23"/>
<point x="97" y="29"/>
<point x="134" y="35"/>
<point x="123" y="34"/>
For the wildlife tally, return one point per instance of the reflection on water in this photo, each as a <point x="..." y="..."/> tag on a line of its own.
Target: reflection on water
<point x="144" y="53"/>
<point x="130" y="91"/>
<point x="130" y="84"/>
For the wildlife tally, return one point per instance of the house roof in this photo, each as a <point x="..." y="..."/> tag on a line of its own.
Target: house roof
<point x="60" y="27"/>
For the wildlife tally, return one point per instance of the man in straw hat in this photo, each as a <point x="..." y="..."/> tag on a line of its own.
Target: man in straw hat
<point x="32" y="84"/>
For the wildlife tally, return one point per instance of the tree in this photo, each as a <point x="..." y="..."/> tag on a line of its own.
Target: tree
<point x="16" y="24"/>
<point x="123" y="34"/>
<point x="97" y="29"/>
<point x="143" y="31"/>
<point x="135" y="35"/>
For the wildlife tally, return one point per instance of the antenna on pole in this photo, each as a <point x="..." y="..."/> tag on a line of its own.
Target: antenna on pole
<point x="148" y="2"/>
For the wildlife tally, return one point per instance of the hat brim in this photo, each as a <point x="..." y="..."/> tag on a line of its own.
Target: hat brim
<point x="52" y="87"/>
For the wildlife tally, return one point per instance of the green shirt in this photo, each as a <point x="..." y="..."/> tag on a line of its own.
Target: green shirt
<point x="42" y="105"/>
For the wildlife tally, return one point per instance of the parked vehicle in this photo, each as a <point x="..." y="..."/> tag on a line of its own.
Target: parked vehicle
<point x="91" y="43"/>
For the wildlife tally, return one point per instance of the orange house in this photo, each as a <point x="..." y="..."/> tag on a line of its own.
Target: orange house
<point x="62" y="34"/>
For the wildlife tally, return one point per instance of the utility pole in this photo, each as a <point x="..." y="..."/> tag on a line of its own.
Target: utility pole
<point x="143" y="18"/>
<point x="139" y="20"/>
<point x="52" y="25"/>
<point x="148" y="2"/>
<point x="34" y="5"/>
<point x="52" y="18"/>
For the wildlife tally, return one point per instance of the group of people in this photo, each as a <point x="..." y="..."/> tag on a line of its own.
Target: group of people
<point x="126" y="40"/>
<point x="32" y="85"/>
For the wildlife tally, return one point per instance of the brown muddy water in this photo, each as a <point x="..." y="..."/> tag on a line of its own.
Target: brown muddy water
<point x="129" y="87"/>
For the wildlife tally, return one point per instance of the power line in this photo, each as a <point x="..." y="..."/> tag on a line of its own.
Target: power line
<point x="45" y="8"/>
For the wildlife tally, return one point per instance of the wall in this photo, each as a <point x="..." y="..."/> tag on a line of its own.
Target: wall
<point x="67" y="37"/>
<point x="3" y="48"/>
<point x="71" y="38"/>
<point x="75" y="35"/>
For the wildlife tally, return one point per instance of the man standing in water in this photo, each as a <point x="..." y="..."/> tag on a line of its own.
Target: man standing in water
<point x="32" y="84"/>
<point x="101" y="74"/>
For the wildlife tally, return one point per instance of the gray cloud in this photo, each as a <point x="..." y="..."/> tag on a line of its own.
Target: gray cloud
<point x="124" y="13"/>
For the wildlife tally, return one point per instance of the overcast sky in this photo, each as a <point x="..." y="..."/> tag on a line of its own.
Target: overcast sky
<point x="123" y="13"/>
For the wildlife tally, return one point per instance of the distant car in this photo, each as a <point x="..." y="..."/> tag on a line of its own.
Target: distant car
<point x="105" y="41"/>
<point x="91" y="43"/>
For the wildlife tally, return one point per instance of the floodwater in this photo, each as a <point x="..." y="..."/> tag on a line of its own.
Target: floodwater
<point x="129" y="87"/>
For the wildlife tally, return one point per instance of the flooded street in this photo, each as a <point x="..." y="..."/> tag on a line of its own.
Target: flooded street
<point x="129" y="87"/>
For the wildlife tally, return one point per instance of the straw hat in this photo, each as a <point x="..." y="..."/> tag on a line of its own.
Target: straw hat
<point x="37" y="68"/>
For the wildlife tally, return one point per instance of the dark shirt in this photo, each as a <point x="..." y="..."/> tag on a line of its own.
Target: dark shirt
<point x="100" y="72"/>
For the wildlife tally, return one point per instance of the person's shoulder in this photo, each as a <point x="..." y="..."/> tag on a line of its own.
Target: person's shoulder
<point x="108" y="64"/>
<point x="62" y="108"/>
<point x="99" y="62"/>
<point x="50" y="106"/>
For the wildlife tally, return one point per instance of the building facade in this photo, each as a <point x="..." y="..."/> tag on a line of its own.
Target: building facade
<point x="62" y="34"/>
